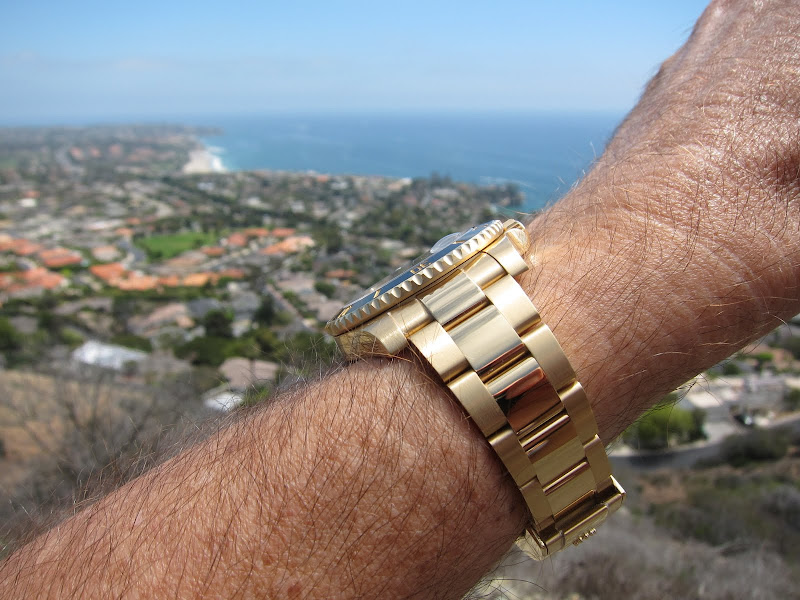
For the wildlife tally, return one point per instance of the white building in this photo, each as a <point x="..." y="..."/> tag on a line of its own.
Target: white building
<point x="108" y="356"/>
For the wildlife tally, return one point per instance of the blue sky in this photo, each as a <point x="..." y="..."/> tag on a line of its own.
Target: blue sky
<point x="87" y="61"/>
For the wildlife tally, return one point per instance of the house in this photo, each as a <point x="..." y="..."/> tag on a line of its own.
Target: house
<point x="28" y="283"/>
<point x="137" y="282"/>
<point x="109" y="272"/>
<point x="256" y="232"/>
<point x="722" y="399"/>
<point x="213" y="251"/>
<point x="243" y="373"/>
<point x="340" y="274"/>
<point x="22" y="247"/>
<point x="290" y="245"/>
<point x="174" y="313"/>
<point x="56" y="258"/>
<point x="105" y="253"/>
<point x="108" y="356"/>
<point x="222" y="399"/>
<point x="283" y="232"/>
<point x="236" y="240"/>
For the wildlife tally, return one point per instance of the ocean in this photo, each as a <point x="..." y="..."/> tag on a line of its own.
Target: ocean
<point x="543" y="153"/>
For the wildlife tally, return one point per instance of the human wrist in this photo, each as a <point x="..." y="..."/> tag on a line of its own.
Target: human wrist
<point x="658" y="266"/>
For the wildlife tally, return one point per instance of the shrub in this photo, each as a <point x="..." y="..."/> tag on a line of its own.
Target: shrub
<point x="756" y="446"/>
<point x="731" y="368"/>
<point x="70" y="338"/>
<point x="784" y="503"/>
<point x="130" y="340"/>
<point x="325" y="288"/>
<point x="792" y="398"/>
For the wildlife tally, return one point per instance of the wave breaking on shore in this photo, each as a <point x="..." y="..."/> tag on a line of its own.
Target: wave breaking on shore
<point x="203" y="160"/>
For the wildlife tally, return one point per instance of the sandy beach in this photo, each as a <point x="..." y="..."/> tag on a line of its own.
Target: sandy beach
<point x="203" y="160"/>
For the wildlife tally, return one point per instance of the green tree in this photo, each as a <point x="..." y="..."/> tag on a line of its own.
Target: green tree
<point x="218" y="324"/>
<point x="10" y="338"/>
<point x="665" y="425"/>
<point x="325" y="288"/>
<point x="123" y="307"/>
<point x="49" y="321"/>
<point x="329" y="236"/>
<point x="731" y="368"/>
<point x="266" y="313"/>
<point x="70" y="337"/>
<point x="206" y="350"/>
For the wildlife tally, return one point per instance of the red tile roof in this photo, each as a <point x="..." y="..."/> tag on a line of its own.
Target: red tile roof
<point x="33" y="278"/>
<point x="289" y="246"/>
<point x="340" y="274"/>
<point x="282" y="232"/>
<point x="55" y="258"/>
<point x="137" y="282"/>
<point x="197" y="279"/>
<point x="170" y="281"/>
<point x="237" y="239"/>
<point x="232" y="273"/>
<point x="109" y="272"/>
<point x="23" y="247"/>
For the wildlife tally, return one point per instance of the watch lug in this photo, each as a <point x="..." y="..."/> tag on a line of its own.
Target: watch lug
<point x="516" y="232"/>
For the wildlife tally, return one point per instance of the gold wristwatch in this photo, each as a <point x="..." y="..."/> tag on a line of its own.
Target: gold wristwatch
<point x="462" y="310"/>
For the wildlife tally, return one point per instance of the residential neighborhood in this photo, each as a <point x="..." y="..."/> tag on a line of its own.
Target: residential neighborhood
<point x="119" y="236"/>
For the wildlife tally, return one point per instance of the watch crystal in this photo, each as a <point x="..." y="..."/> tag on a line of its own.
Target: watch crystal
<point x="445" y="241"/>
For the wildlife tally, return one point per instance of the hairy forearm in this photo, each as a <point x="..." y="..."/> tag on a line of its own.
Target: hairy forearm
<point x="370" y="483"/>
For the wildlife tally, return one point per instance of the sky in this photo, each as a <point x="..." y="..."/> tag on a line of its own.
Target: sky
<point x="79" y="61"/>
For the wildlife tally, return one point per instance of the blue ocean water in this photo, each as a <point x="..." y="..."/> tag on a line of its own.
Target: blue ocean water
<point x="544" y="153"/>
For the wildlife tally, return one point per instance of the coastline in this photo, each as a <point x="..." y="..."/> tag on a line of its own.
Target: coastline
<point x="542" y="153"/>
<point x="204" y="160"/>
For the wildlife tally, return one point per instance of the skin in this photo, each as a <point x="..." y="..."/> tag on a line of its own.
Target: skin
<point x="679" y="247"/>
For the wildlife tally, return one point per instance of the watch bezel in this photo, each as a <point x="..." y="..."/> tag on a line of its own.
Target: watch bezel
<point x="420" y="274"/>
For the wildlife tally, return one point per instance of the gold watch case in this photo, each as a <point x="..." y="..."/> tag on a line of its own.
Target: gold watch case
<point x="446" y="255"/>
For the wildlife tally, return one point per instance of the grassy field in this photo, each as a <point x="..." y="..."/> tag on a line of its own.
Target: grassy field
<point x="161" y="247"/>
